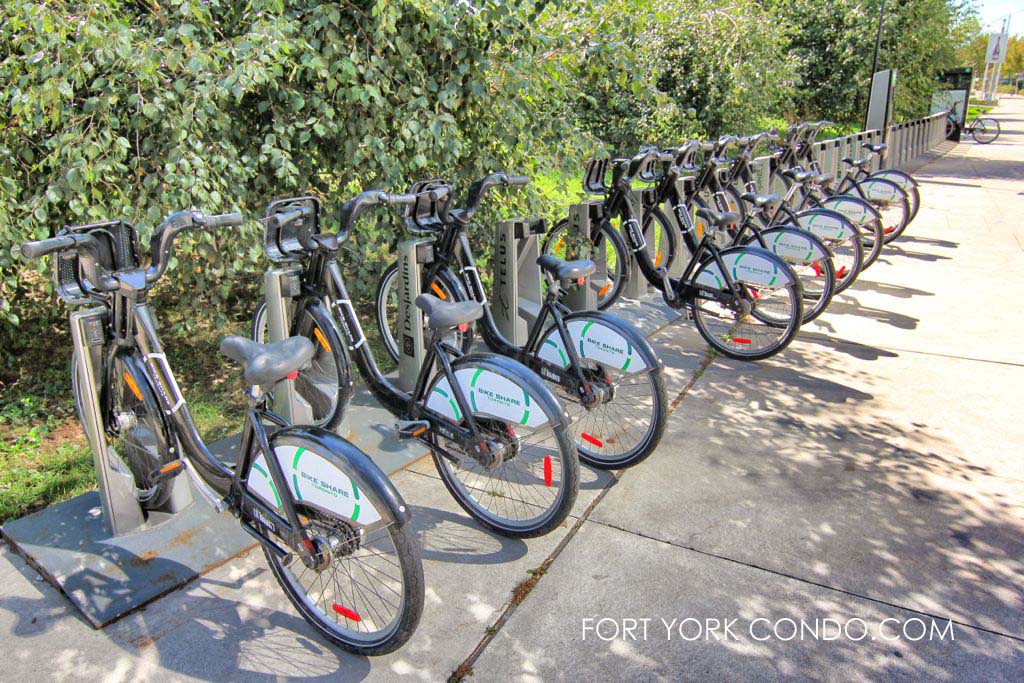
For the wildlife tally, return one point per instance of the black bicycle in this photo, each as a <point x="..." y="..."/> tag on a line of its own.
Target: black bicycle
<point x="333" y="528"/>
<point x="604" y="371"/>
<point x="498" y="435"/>
<point x="745" y="300"/>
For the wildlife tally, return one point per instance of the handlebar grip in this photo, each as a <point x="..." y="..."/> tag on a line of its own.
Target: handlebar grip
<point x="282" y="219"/>
<point x="518" y="180"/>
<point x="353" y="208"/>
<point x="224" y="220"/>
<point x="39" y="248"/>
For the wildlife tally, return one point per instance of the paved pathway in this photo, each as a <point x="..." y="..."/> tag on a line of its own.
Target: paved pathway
<point x="870" y="479"/>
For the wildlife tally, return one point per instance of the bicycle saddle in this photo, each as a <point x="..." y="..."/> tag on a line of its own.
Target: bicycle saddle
<point x="759" y="200"/>
<point x="800" y="176"/>
<point x="856" y="162"/>
<point x="825" y="178"/>
<point x="566" y="270"/>
<point x="448" y="314"/>
<point x="876" y="149"/>
<point x="720" y="219"/>
<point x="267" y="364"/>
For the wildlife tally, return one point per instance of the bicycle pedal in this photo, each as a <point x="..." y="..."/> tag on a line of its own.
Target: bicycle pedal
<point x="168" y="471"/>
<point x="411" y="429"/>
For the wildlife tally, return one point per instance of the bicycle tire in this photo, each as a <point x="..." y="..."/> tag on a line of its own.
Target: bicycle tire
<point x="817" y="276"/>
<point x="608" y="289"/>
<point x="330" y="367"/>
<point x="987" y="127"/>
<point x="448" y="289"/>
<point x="333" y="621"/>
<point x="892" y="203"/>
<point x="145" y="445"/>
<point x="728" y="342"/>
<point x="909" y="185"/>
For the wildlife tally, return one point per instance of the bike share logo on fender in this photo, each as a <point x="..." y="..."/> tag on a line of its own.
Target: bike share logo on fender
<point x="604" y="346"/>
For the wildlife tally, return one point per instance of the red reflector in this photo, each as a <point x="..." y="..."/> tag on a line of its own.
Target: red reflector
<point x="547" y="470"/>
<point x="890" y="229"/>
<point x="463" y="327"/>
<point x="741" y="340"/>
<point x="579" y="281"/>
<point x="753" y="293"/>
<point x="346" y="612"/>
<point x="293" y="374"/>
<point x="817" y="268"/>
<point x="592" y="439"/>
<point x="840" y="273"/>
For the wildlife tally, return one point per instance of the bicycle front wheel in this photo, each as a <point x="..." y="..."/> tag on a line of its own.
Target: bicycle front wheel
<point x="325" y="384"/>
<point x="445" y="287"/>
<point x="607" y="249"/>
<point x="985" y="131"/>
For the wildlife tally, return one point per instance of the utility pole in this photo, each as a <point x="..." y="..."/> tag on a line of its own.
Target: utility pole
<point x="874" y="61"/>
<point x="878" y="39"/>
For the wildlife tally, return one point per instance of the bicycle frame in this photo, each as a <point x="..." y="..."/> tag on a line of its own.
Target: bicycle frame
<point x="452" y="249"/>
<point x="133" y="328"/>
<point x="323" y="283"/>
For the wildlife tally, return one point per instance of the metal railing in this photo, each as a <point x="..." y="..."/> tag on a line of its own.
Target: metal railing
<point x="907" y="141"/>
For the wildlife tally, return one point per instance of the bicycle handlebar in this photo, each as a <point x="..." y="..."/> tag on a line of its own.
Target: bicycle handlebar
<point x="353" y="208"/>
<point x="174" y="225"/>
<point x="279" y="220"/>
<point x="40" y="248"/>
<point x="479" y="188"/>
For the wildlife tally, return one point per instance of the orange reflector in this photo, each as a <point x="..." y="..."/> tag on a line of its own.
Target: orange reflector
<point x="604" y="290"/>
<point x="420" y="431"/>
<point x="170" y="467"/>
<point x="438" y="291"/>
<point x="132" y="385"/>
<point x="320" y="338"/>
<point x="657" y="259"/>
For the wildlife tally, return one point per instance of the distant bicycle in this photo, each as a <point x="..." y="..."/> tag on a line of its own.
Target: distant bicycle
<point x="983" y="129"/>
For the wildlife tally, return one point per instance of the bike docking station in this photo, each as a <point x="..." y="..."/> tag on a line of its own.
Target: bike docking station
<point x="101" y="549"/>
<point x="582" y="216"/>
<point x="517" y="293"/>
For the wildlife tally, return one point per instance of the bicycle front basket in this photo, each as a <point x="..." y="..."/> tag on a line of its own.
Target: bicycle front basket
<point x="118" y="250"/>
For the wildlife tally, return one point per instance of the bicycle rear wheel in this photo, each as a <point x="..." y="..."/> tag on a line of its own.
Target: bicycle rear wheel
<point x="757" y="323"/>
<point x="810" y="259"/>
<point x="985" y="130"/>
<point x="367" y="596"/>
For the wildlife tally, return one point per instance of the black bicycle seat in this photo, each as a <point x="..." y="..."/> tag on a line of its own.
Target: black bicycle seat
<point x="856" y="162"/>
<point x="876" y="149"/>
<point x="267" y="364"/>
<point x="825" y="178"/>
<point x="566" y="270"/>
<point x="759" y="200"/>
<point x="448" y="314"/>
<point x="799" y="175"/>
<point x="716" y="218"/>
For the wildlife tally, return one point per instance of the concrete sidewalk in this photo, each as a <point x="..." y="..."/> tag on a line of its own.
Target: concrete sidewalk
<point x="871" y="475"/>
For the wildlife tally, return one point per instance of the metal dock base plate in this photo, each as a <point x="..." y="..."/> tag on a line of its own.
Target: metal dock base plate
<point x="107" y="577"/>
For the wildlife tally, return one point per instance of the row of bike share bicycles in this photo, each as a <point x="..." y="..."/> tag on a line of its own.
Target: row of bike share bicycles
<point x="507" y="428"/>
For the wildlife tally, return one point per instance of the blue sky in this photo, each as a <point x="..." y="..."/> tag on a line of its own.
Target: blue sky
<point x="993" y="11"/>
